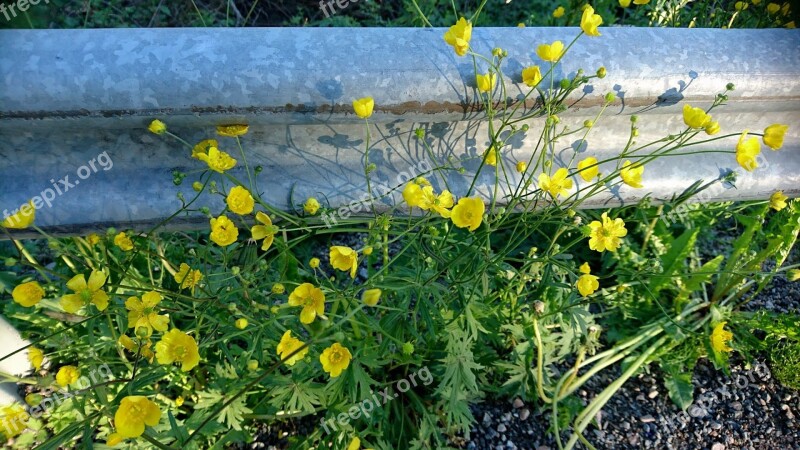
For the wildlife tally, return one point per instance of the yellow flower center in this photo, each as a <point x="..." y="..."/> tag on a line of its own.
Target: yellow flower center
<point x="336" y="356"/>
<point x="605" y="232"/>
<point x="179" y="352"/>
<point x="86" y="295"/>
<point x="308" y="301"/>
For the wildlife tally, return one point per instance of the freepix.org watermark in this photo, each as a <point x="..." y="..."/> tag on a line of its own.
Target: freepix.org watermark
<point x="61" y="187"/>
<point x="95" y="377"/>
<point x="10" y="11"/>
<point x="378" y="399"/>
<point x="328" y="7"/>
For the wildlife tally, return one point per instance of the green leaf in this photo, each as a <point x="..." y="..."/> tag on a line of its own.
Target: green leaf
<point x="672" y="261"/>
<point x="681" y="391"/>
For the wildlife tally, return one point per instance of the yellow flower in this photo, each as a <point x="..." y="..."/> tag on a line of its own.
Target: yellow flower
<point x="134" y="412"/>
<point x="624" y="3"/>
<point x="412" y="194"/>
<point x="559" y="12"/>
<point x="590" y="21"/>
<point x="335" y="359"/>
<point x="458" y="36"/>
<point x="531" y="76"/>
<point x="311" y="205"/>
<point x="240" y="201"/>
<point x="179" y="401"/>
<point x="114" y="439"/>
<point x="587" y="283"/>
<point x="588" y="168"/>
<point x="232" y="130"/>
<point x="367" y="250"/>
<point x="188" y="278"/>
<point x="122" y="241"/>
<point x="773" y="135"/>
<point x="217" y="160"/>
<point x="793" y="274"/>
<point x="142" y="348"/>
<point x="85" y="293"/>
<point x="632" y="176"/>
<point x="67" y="375"/>
<point x="344" y="258"/>
<point x="311" y="298"/>
<point x="777" y="201"/>
<point x="223" y="231"/>
<point x="370" y="297"/>
<point x="93" y="239"/>
<point x="772" y="8"/>
<point x="142" y="314"/>
<point x="712" y="128"/>
<point x="14" y="420"/>
<point x="21" y="219"/>
<point x="485" y="83"/>
<point x="641" y="2"/>
<point x="746" y="152"/>
<point x="557" y="184"/>
<point x="522" y="166"/>
<point x="265" y="231"/>
<point x="289" y="345"/>
<point x="35" y="357"/>
<point x="278" y="289"/>
<point x="314" y="263"/>
<point x="440" y="203"/>
<point x="606" y="235"/>
<point x="363" y="107"/>
<point x="740" y="6"/>
<point x="177" y="346"/>
<point x="28" y="294"/>
<point x="551" y="52"/>
<point x="785" y="8"/>
<point x="791" y="25"/>
<point x="157" y="127"/>
<point x="468" y="213"/>
<point x="203" y="147"/>
<point x="695" y="117"/>
<point x="490" y="156"/>
<point x="241" y="323"/>
<point x="720" y="337"/>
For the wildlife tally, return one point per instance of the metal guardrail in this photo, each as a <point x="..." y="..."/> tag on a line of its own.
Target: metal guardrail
<point x="76" y="103"/>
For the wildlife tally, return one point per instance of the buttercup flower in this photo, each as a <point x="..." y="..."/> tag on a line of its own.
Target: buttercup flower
<point x="278" y="289"/>
<point x="370" y="297"/>
<point x="36" y="357"/>
<point x="556" y="185"/>
<point x="606" y="235"/>
<point x="265" y="231"/>
<point x="14" y="419"/>
<point x="134" y="412"/>
<point x="314" y="263"/>
<point x="142" y="313"/>
<point x="632" y="176"/>
<point x="217" y="160"/>
<point x="793" y="274"/>
<point x="188" y="278"/>
<point x="93" y="239"/>
<point x="223" y="231"/>
<point x="590" y="21"/>
<point x="747" y="150"/>
<point x="203" y="147"/>
<point x="355" y="444"/>
<point x="490" y="157"/>
<point x="311" y="298"/>
<point x="177" y="346"/>
<point x="232" y="130"/>
<point x="367" y="250"/>
<point x="531" y="76"/>
<point x="289" y="345"/>
<point x="21" y="219"/>
<point x="157" y="127"/>
<point x="240" y="201"/>
<point x="695" y="117"/>
<point x="363" y="107"/>
<point x="587" y="283"/>
<point x="559" y="12"/>
<point x="311" y="205"/>
<point x="439" y="203"/>
<point x="67" y="375"/>
<point x="142" y="348"/>
<point x="720" y="337"/>
<point x="521" y="166"/>
<point x="551" y="52"/>
<point x="624" y="3"/>
<point x="777" y="201"/>
<point x="344" y="258"/>
<point x="28" y="294"/>
<point x="772" y="8"/>
<point x="122" y="241"/>
<point x="485" y="83"/>
<point x="85" y="293"/>
<point x="773" y="135"/>
<point x="335" y="359"/>
<point x="458" y="36"/>
<point x="588" y="168"/>
<point x="241" y="323"/>
<point x="468" y="213"/>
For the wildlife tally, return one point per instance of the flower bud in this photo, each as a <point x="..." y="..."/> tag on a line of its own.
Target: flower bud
<point x="408" y="348"/>
<point x="525" y="127"/>
<point x="314" y="263"/>
<point x="730" y="86"/>
<point x="197" y="186"/>
<point x="793" y="274"/>
<point x="420" y="133"/>
<point x="565" y="83"/>
<point x="252" y="365"/>
<point x="521" y="166"/>
<point x="609" y="98"/>
<point x="241" y="323"/>
<point x="588" y="123"/>
<point x="601" y="72"/>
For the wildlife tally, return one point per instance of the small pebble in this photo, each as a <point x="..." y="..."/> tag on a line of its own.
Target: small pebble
<point x="647" y="419"/>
